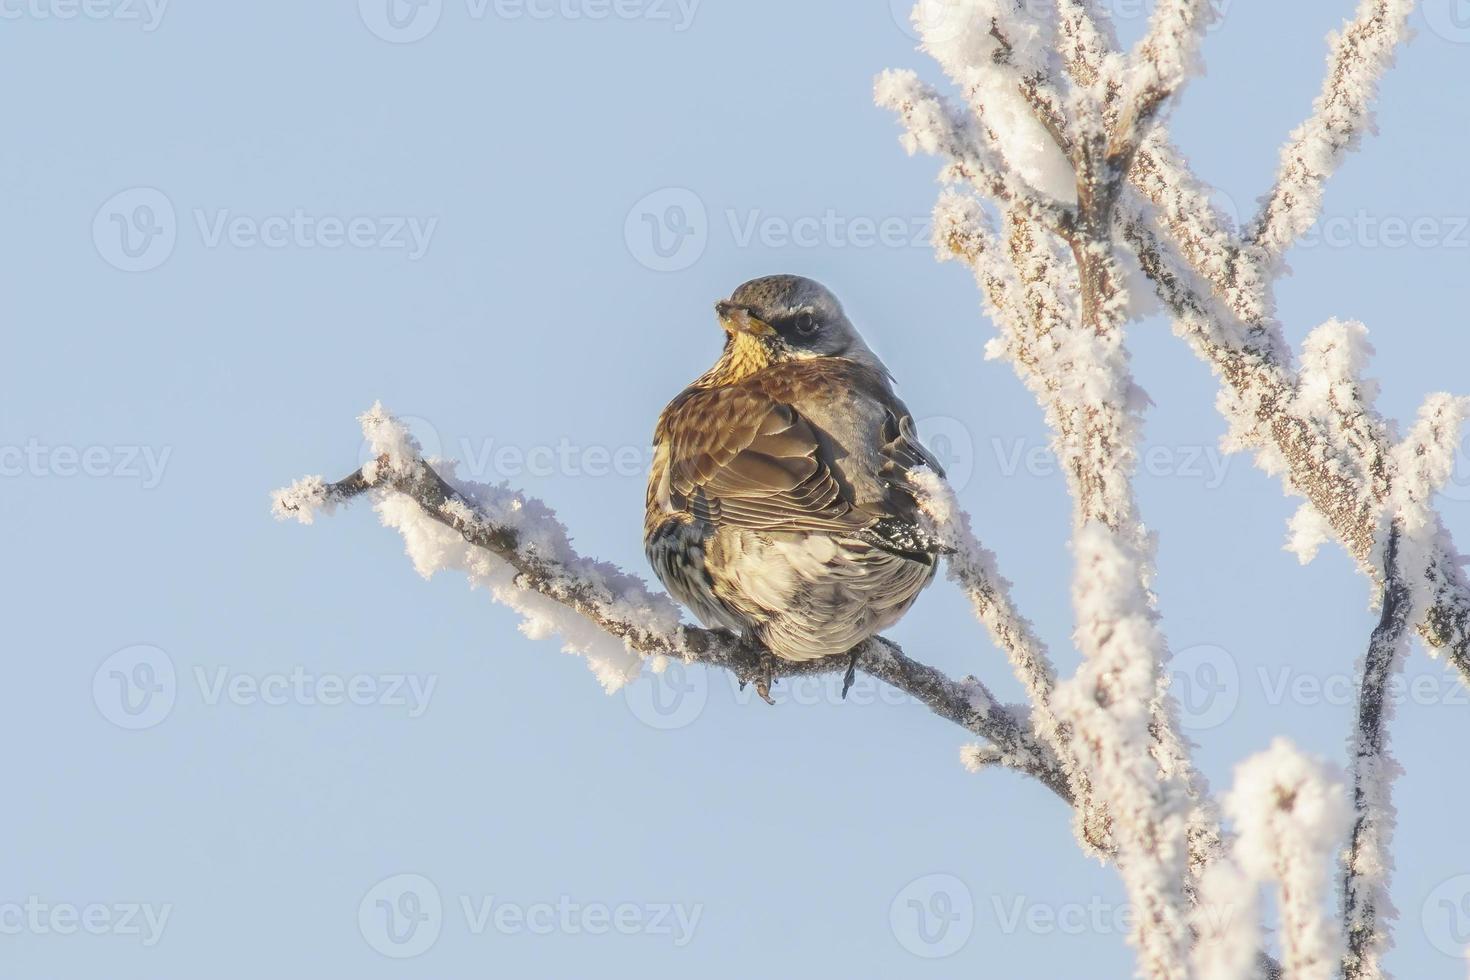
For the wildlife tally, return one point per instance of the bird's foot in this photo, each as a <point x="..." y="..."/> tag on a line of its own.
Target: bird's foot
<point x="765" y="675"/>
<point x="762" y="671"/>
<point x="851" y="675"/>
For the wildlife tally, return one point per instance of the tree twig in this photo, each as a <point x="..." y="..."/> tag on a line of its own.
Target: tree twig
<point x="967" y="703"/>
<point x="1366" y="866"/>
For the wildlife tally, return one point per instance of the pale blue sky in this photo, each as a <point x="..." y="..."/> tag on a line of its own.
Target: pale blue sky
<point x="322" y="212"/>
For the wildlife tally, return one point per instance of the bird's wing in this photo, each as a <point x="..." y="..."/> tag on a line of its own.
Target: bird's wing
<point x="738" y="457"/>
<point x="901" y="453"/>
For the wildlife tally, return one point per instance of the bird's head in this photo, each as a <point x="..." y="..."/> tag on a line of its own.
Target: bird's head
<point x="784" y="318"/>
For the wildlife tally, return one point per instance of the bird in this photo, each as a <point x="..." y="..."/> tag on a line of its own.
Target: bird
<point x="779" y="505"/>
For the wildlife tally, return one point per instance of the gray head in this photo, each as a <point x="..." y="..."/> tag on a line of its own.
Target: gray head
<point x="792" y="318"/>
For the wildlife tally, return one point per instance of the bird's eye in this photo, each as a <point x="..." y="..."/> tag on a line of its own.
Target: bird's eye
<point x="806" y="323"/>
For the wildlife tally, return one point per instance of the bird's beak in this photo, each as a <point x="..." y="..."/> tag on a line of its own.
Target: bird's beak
<point x="736" y="318"/>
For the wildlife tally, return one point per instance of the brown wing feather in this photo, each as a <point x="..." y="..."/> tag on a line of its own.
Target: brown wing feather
<point x="738" y="457"/>
<point x="902" y="451"/>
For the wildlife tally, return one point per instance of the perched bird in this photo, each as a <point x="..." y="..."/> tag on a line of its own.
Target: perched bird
<point x="778" y="504"/>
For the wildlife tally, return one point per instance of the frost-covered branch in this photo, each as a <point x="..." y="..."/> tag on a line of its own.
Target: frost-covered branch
<point x="1062" y="184"/>
<point x="1359" y="56"/>
<point x="1423" y="462"/>
<point x="1333" y="450"/>
<point x="1061" y="318"/>
<point x="1289" y="814"/>
<point x="973" y="568"/>
<point x="1219" y="288"/>
<point x="1060" y="295"/>
<point x="933" y="126"/>
<point x="1366" y="904"/>
<point x="1226" y="924"/>
<point x="1159" y="66"/>
<point x="1109" y="703"/>
<point x="514" y="547"/>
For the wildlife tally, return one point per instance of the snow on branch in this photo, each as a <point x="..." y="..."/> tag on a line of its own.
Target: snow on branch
<point x="1108" y="705"/>
<point x="1423" y="463"/>
<point x="1226" y="923"/>
<point x="1165" y="57"/>
<point x="1218" y="287"/>
<point x="608" y="617"/>
<point x="1366" y="867"/>
<point x="1061" y="306"/>
<point x="514" y="547"/>
<point x="973" y="568"/>
<point x="999" y="56"/>
<point x="1360" y="54"/>
<point x="1061" y="318"/>
<point x="932" y="125"/>
<point x="1208" y="242"/>
<point x="1088" y="48"/>
<point x="1289" y="813"/>
<point x="1339" y="461"/>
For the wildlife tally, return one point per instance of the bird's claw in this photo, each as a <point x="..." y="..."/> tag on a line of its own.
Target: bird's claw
<point x="765" y="676"/>
<point x="851" y="675"/>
